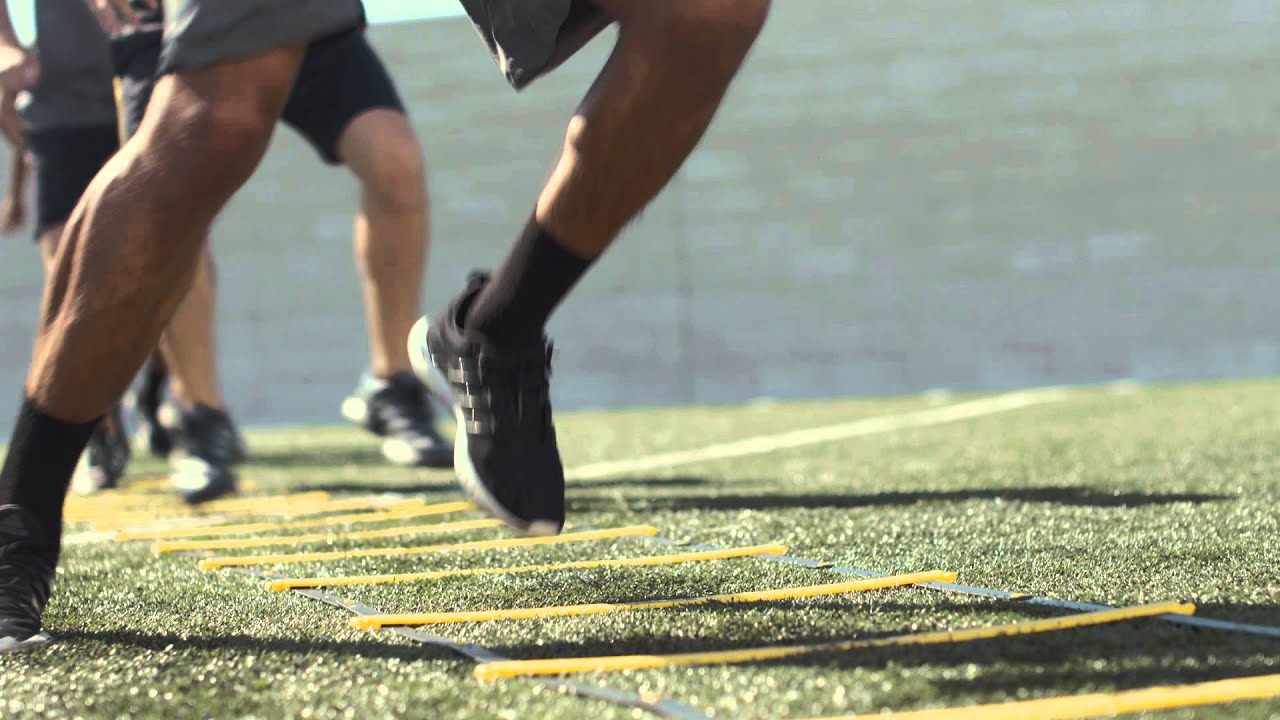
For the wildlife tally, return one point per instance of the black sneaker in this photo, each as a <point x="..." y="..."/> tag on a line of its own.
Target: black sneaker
<point x="506" y="456"/>
<point x="27" y="562"/>
<point x="149" y="409"/>
<point x="213" y="424"/>
<point x="210" y="447"/>
<point x="399" y="410"/>
<point x="105" y="458"/>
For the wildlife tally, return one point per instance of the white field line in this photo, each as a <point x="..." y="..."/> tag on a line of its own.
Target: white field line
<point x="763" y="444"/>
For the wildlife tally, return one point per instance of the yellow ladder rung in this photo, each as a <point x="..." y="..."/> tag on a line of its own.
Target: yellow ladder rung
<point x="285" y="559"/>
<point x="287" y="510"/>
<point x="410" y="509"/>
<point x="256" y="504"/>
<point x="161" y="548"/>
<point x="646" y="561"/>
<point x="615" y="663"/>
<point x="373" y="622"/>
<point x="104" y="509"/>
<point x="1166" y="697"/>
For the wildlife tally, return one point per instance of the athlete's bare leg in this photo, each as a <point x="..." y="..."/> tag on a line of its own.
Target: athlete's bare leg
<point x="650" y="106"/>
<point x="132" y="246"/>
<point x="391" y="230"/>
<point x="189" y="344"/>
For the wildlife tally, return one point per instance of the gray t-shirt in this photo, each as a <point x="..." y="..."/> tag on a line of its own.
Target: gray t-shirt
<point x="75" y="87"/>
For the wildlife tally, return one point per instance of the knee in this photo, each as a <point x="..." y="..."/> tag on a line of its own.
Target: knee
<point x="397" y="180"/>
<point x="393" y="175"/>
<point x="232" y="131"/>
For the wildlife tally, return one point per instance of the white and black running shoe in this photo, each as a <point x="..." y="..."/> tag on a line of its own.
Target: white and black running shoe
<point x="210" y="447"/>
<point x="398" y="410"/>
<point x="505" y="451"/>
<point x="105" y="458"/>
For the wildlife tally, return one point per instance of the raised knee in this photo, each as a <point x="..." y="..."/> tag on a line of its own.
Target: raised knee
<point x="233" y="128"/>
<point x="394" y="176"/>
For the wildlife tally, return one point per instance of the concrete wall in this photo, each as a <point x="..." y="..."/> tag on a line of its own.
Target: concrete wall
<point x="899" y="195"/>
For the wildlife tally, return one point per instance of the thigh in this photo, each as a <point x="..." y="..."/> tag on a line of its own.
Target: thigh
<point x="341" y="78"/>
<point x="65" y="161"/>
<point x="530" y="38"/>
<point x="200" y="33"/>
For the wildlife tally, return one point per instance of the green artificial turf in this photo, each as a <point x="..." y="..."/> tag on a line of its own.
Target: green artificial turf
<point x="1168" y="493"/>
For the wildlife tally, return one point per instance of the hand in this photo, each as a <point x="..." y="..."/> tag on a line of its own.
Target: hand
<point x="118" y="16"/>
<point x="19" y="69"/>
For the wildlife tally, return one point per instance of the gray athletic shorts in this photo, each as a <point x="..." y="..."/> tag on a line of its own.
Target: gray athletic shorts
<point x="530" y="38"/>
<point x="199" y="33"/>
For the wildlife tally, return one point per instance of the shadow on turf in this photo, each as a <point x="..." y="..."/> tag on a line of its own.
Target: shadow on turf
<point x="1181" y="654"/>
<point x="449" y="485"/>
<point x="1072" y="496"/>
<point x="1260" y="614"/>
<point x="375" y="647"/>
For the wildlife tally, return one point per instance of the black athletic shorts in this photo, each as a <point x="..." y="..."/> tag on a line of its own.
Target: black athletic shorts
<point x="66" y="161"/>
<point x="530" y="38"/>
<point x="341" y="78"/>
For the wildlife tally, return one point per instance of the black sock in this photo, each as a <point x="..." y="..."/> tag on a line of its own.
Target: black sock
<point x="43" y="453"/>
<point x="514" y="306"/>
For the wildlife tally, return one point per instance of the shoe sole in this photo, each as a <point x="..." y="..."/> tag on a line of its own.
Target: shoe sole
<point x="437" y="383"/>
<point x="10" y="646"/>
<point x="190" y="478"/>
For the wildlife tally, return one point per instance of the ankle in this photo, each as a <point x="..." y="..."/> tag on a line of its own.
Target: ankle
<point x="513" y="307"/>
<point x="37" y="472"/>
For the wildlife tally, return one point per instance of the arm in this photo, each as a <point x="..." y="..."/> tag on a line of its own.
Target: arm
<point x="13" y="209"/>
<point x="19" y="70"/>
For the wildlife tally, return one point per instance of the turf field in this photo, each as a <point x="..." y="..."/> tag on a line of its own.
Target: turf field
<point x="1102" y="495"/>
